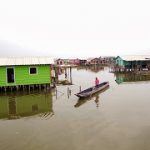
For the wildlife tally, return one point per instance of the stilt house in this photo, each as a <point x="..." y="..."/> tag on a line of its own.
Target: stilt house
<point x="25" y="71"/>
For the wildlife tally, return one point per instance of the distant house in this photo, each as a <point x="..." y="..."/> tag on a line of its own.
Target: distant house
<point x="108" y="60"/>
<point x="59" y="61"/>
<point x="83" y="62"/>
<point x="133" y="62"/>
<point x="74" y="61"/>
<point x="93" y="61"/>
<point x="66" y="61"/>
<point x="102" y="60"/>
<point x="25" y="71"/>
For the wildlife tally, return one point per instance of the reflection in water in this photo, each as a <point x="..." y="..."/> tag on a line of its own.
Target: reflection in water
<point x="35" y="108"/>
<point x="94" y="96"/>
<point x="12" y="105"/>
<point x="23" y="105"/>
<point x="130" y="77"/>
<point x="93" y="68"/>
<point x="84" y="100"/>
<point x="97" y="101"/>
<point x="80" y="102"/>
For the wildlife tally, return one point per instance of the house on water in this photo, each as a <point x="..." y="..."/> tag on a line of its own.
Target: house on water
<point x="132" y="63"/>
<point x="25" y="73"/>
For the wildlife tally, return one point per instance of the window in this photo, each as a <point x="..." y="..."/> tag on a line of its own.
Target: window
<point x="33" y="70"/>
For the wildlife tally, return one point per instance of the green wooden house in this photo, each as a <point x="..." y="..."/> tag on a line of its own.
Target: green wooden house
<point x="132" y="62"/>
<point x="16" y="72"/>
<point x="122" y="61"/>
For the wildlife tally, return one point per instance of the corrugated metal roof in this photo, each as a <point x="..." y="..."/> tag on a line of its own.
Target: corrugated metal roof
<point x="26" y="61"/>
<point x="136" y="57"/>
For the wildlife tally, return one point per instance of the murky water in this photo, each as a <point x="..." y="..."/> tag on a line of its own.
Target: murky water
<point x="116" y="119"/>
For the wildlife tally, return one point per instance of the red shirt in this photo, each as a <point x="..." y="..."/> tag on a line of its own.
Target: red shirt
<point x="96" y="82"/>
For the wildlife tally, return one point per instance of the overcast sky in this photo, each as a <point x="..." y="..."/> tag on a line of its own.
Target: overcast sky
<point x="74" y="28"/>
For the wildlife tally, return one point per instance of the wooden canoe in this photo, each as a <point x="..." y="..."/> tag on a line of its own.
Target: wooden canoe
<point x="92" y="90"/>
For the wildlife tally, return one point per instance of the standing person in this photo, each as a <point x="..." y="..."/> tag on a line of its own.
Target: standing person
<point x="96" y="81"/>
<point x="65" y="75"/>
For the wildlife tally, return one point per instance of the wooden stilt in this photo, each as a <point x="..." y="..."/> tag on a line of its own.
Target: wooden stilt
<point x="29" y="88"/>
<point x="39" y="87"/>
<point x="70" y="75"/>
<point x="17" y="88"/>
<point x="80" y="89"/>
<point x="11" y="89"/>
<point x="56" y="93"/>
<point x="5" y="89"/>
<point x="23" y="87"/>
<point x="68" y="92"/>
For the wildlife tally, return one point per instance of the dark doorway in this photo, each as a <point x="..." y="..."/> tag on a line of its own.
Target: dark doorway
<point x="10" y="75"/>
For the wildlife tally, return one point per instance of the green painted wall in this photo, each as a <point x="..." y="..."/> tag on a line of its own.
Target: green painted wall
<point x="22" y="76"/>
<point x="2" y="76"/>
<point x="119" y="61"/>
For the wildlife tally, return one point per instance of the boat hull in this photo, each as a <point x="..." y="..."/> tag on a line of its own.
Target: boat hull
<point x="92" y="90"/>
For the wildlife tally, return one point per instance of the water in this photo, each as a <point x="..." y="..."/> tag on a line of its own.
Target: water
<point x="117" y="119"/>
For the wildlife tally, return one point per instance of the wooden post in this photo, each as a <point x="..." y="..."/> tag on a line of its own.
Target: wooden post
<point x="23" y="87"/>
<point x="68" y="92"/>
<point x="80" y="88"/>
<point x="56" y="93"/>
<point x="40" y="87"/>
<point x="5" y="89"/>
<point x="71" y="75"/>
<point x="33" y="87"/>
<point x="56" y="74"/>
<point x="29" y="88"/>
<point x="17" y="87"/>
<point x="45" y="88"/>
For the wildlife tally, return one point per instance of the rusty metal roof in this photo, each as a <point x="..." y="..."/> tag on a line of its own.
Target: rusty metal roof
<point x="10" y="61"/>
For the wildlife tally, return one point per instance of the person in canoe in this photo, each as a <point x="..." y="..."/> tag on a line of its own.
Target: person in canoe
<point x="96" y="82"/>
